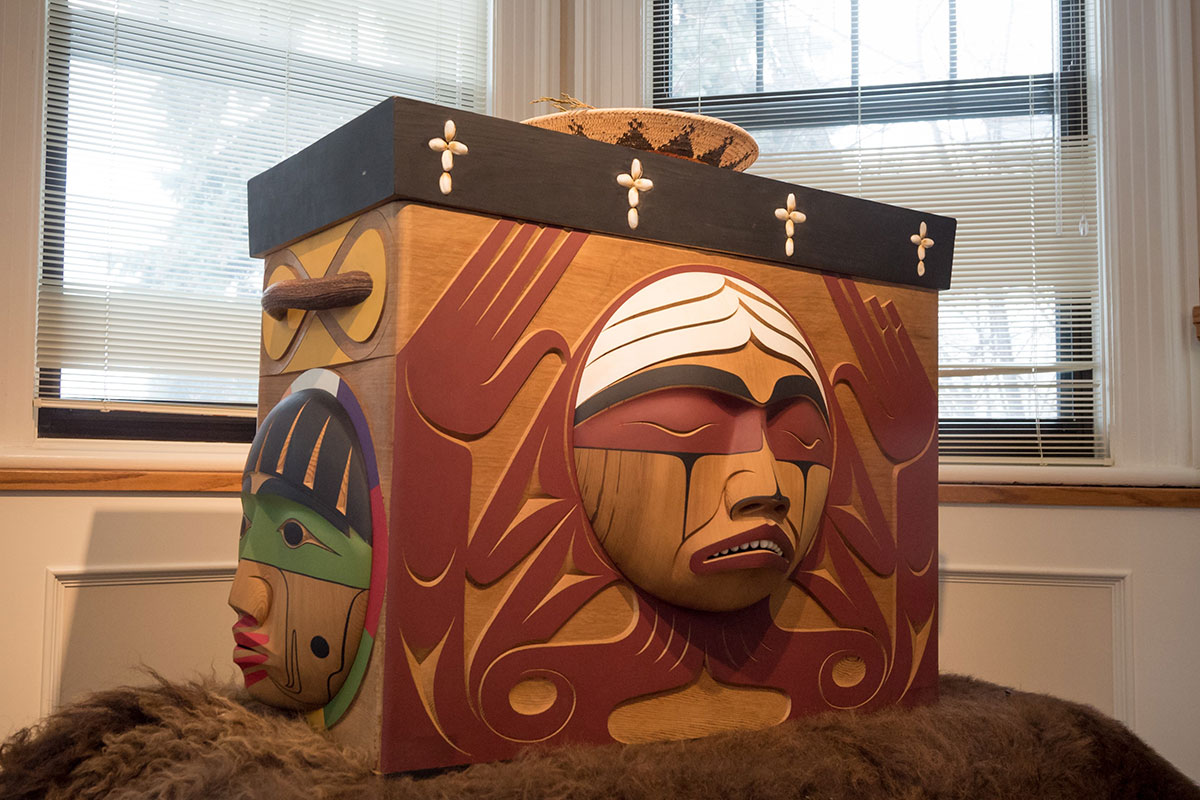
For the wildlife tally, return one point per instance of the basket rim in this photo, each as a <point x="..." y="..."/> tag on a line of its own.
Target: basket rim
<point x="740" y="135"/>
<point x="715" y="122"/>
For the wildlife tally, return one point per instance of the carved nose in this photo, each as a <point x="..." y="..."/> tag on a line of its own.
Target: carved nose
<point x="250" y="594"/>
<point x="774" y="506"/>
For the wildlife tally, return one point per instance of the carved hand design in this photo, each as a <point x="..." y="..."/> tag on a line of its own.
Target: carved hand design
<point x="466" y="362"/>
<point x="461" y="370"/>
<point x="897" y="399"/>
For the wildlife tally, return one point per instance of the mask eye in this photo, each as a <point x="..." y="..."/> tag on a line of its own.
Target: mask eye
<point x="797" y="431"/>
<point x="296" y="535"/>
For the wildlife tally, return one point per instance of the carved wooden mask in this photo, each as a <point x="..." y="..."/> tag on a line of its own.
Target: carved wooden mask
<point x="702" y="441"/>
<point x="310" y="500"/>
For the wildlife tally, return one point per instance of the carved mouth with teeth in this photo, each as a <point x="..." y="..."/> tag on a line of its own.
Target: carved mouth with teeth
<point x="764" y="547"/>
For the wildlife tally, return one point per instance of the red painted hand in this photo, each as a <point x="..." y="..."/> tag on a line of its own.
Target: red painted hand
<point x="467" y="361"/>
<point x="897" y="399"/>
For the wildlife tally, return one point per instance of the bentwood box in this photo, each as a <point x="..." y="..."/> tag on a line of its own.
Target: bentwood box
<point x="561" y="441"/>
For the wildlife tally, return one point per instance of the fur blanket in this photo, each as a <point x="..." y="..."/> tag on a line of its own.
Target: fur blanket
<point x="980" y="741"/>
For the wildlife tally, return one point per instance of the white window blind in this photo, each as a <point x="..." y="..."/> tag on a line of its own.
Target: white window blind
<point x="157" y="113"/>
<point x="980" y="111"/>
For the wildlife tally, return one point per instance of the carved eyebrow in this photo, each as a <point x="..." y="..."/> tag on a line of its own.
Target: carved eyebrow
<point x="790" y="387"/>
<point x="675" y="375"/>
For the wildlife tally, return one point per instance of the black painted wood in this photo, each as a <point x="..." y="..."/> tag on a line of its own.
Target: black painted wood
<point x="520" y="172"/>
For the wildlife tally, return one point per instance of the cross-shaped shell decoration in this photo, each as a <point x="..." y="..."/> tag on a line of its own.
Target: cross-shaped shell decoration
<point x="923" y="243"/>
<point x="636" y="184"/>
<point x="449" y="148"/>
<point x="790" y="218"/>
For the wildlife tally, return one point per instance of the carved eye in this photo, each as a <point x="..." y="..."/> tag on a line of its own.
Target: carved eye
<point x="674" y="428"/>
<point x="296" y="535"/>
<point x="798" y="432"/>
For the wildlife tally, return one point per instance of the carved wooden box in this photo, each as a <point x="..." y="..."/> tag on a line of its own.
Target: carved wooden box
<point x="553" y="478"/>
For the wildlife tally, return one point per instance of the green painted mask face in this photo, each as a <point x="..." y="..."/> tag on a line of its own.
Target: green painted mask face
<point x="286" y="534"/>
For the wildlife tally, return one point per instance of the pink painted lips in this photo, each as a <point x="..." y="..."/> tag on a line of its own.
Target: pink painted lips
<point x="764" y="547"/>
<point x="245" y="653"/>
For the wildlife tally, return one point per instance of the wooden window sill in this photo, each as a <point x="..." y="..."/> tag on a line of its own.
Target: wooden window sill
<point x="88" y="481"/>
<point x="1063" y="495"/>
<point x="182" y="482"/>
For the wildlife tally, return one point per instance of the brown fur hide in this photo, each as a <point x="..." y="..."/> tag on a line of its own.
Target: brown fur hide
<point x="980" y="741"/>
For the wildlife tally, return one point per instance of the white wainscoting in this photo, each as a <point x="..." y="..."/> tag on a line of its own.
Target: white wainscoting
<point x="1065" y="633"/>
<point x="94" y="585"/>
<point x="1092" y="604"/>
<point x="104" y="626"/>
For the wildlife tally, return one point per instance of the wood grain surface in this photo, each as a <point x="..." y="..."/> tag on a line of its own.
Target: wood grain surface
<point x="199" y="482"/>
<point x="1061" y="495"/>
<point x="114" y="480"/>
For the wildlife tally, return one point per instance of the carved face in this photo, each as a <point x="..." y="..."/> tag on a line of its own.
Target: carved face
<point x="704" y="474"/>
<point x="304" y="568"/>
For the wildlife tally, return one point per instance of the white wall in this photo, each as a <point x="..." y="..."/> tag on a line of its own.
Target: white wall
<point x="1093" y="604"/>
<point x="1112" y="620"/>
<point x="97" y="585"/>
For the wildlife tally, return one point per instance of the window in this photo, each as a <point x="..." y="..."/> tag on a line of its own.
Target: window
<point x="979" y="111"/>
<point x="157" y="113"/>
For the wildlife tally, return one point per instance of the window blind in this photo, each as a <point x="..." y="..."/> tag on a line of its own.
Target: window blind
<point x="980" y="111"/>
<point x="157" y="113"/>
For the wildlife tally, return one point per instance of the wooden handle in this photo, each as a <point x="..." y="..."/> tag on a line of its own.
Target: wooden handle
<point x="315" y="294"/>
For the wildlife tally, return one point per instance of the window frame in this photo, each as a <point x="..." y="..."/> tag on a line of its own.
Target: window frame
<point x="1148" y="187"/>
<point x="121" y="419"/>
<point x="76" y="422"/>
<point x="1063" y="93"/>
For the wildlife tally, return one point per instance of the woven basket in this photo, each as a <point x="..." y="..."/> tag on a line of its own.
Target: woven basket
<point x="674" y="133"/>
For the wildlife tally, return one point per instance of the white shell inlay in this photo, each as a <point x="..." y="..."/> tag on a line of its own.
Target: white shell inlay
<point x="923" y="243"/>
<point x="449" y="148"/>
<point x="790" y="218"/>
<point x="636" y="184"/>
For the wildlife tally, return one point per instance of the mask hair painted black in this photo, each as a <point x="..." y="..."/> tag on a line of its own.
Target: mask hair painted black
<point x="310" y="450"/>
